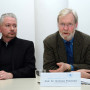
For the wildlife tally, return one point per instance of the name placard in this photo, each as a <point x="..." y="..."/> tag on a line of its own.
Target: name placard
<point x="60" y="79"/>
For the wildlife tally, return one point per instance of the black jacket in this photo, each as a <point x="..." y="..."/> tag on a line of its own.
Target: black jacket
<point x="20" y="55"/>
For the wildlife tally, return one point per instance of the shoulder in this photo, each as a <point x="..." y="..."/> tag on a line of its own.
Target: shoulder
<point x="82" y="35"/>
<point x="82" y="38"/>
<point x="24" y="42"/>
<point x="52" y="38"/>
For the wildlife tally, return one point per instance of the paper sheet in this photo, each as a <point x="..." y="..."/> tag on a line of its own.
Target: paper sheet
<point x="85" y="81"/>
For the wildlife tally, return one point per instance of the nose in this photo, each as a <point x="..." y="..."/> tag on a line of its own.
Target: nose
<point x="12" y="28"/>
<point x="66" y="27"/>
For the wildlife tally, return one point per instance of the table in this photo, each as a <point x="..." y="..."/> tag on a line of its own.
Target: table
<point x="31" y="84"/>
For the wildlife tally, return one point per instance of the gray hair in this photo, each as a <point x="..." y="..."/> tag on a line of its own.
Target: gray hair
<point x="7" y="15"/>
<point x="67" y="11"/>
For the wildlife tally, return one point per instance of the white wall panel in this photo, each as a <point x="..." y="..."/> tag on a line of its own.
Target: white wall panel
<point x="82" y="7"/>
<point x="46" y="12"/>
<point x="24" y="10"/>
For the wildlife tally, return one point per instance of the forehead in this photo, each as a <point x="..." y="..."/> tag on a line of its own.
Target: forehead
<point x="9" y="20"/>
<point x="67" y="18"/>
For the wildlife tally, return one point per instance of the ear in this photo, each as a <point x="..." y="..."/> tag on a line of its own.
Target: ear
<point x="58" y="24"/>
<point x="76" y="24"/>
<point x="0" y="30"/>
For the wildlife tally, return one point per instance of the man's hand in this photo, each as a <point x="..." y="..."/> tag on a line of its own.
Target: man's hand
<point x="5" y="75"/>
<point x="62" y="67"/>
<point x="85" y="73"/>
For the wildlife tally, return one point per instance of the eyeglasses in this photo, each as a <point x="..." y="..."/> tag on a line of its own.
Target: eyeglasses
<point x="68" y="25"/>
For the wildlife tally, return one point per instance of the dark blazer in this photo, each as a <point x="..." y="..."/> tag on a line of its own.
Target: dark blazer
<point x="54" y="51"/>
<point x="22" y="58"/>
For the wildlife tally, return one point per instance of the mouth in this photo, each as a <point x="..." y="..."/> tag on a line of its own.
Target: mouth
<point x="65" y="33"/>
<point x="12" y="33"/>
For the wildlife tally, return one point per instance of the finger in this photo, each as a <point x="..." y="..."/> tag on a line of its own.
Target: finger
<point x="60" y="69"/>
<point x="84" y="70"/>
<point x="1" y="72"/>
<point x="52" y="70"/>
<point x="59" y="64"/>
<point x="1" y="77"/>
<point x="87" y="71"/>
<point x="57" y="70"/>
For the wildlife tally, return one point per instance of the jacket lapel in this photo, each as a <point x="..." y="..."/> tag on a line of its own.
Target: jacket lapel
<point x="77" y="47"/>
<point x="61" y="49"/>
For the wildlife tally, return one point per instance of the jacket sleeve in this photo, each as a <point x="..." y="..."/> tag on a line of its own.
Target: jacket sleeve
<point x="28" y="69"/>
<point x="85" y="60"/>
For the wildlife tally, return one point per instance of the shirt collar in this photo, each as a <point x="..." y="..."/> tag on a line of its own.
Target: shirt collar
<point x="71" y="41"/>
<point x="10" y="42"/>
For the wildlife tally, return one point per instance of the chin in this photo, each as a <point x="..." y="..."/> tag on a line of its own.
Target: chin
<point x="68" y="37"/>
<point x="11" y="36"/>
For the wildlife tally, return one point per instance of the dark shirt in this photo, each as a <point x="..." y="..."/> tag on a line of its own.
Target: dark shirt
<point x="69" y="51"/>
<point x="6" y="55"/>
<point x="17" y="57"/>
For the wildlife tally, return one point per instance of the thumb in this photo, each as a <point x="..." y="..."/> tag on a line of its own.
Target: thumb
<point x="59" y="64"/>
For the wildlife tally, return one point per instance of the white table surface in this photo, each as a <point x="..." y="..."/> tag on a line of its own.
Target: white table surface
<point x="31" y="84"/>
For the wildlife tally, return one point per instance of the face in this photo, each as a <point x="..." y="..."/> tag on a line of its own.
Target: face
<point x="8" y="28"/>
<point x="67" y="26"/>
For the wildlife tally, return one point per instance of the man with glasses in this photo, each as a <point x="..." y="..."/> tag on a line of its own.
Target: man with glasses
<point x="68" y="49"/>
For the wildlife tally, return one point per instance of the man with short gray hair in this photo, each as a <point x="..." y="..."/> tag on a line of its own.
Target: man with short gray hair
<point x="17" y="58"/>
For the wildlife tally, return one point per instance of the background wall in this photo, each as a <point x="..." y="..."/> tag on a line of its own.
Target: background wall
<point x="82" y="7"/>
<point x="38" y="18"/>
<point x="46" y="12"/>
<point x="24" y="10"/>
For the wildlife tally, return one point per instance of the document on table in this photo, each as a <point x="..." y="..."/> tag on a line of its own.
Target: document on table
<point x="85" y="81"/>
